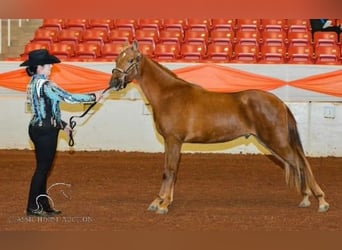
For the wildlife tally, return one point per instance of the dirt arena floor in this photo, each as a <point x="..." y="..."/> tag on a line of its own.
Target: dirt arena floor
<point x="110" y="191"/>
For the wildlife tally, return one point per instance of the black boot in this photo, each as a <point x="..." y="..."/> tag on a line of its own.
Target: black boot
<point x="36" y="212"/>
<point x="51" y="211"/>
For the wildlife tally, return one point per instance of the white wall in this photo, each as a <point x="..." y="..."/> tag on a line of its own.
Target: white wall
<point x="123" y="122"/>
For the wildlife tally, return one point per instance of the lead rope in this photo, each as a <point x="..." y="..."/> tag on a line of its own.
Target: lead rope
<point x="73" y="124"/>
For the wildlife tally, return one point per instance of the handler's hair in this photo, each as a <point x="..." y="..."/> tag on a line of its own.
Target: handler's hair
<point x="31" y="70"/>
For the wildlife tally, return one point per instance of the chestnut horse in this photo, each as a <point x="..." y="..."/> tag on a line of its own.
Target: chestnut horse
<point x="187" y="113"/>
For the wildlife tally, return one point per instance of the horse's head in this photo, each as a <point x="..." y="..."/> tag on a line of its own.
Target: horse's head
<point x="127" y="67"/>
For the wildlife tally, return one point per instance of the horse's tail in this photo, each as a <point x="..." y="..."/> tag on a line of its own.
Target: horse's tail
<point x="294" y="173"/>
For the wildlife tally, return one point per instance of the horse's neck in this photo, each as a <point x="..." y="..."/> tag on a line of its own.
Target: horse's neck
<point x="153" y="80"/>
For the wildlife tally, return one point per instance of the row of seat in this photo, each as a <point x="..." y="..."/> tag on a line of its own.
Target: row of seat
<point x="183" y="23"/>
<point x="238" y="53"/>
<point x="160" y="38"/>
<point x="190" y="31"/>
<point x="190" y="36"/>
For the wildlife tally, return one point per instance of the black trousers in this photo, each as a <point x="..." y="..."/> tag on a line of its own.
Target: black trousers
<point x="45" y="143"/>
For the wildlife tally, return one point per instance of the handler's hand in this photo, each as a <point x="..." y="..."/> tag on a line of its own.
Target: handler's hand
<point x="67" y="129"/>
<point x="98" y="95"/>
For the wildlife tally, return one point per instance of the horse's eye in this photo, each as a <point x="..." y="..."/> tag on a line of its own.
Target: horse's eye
<point x="130" y="60"/>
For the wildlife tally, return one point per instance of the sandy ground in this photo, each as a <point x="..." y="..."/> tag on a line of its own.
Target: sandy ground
<point x="111" y="191"/>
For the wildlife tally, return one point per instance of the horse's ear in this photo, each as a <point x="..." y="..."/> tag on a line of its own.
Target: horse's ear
<point x="135" y="45"/>
<point x="126" y="44"/>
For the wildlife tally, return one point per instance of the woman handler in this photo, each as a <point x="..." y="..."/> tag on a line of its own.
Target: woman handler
<point x="45" y="97"/>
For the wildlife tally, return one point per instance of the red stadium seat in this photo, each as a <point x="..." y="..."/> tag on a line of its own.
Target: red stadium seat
<point x="166" y="52"/>
<point x="274" y="25"/>
<point x="193" y="52"/>
<point x="180" y="24"/>
<point x="147" y="36"/>
<point x="73" y="36"/>
<point x="151" y="23"/>
<point x="95" y="36"/>
<point x="248" y="37"/>
<point x="147" y="49"/>
<point x="272" y="54"/>
<point x="199" y="24"/>
<point x="196" y="37"/>
<point x="88" y="51"/>
<point x="46" y="35"/>
<point x="300" y="54"/>
<point x="298" y="25"/>
<point x="223" y="24"/>
<point x="80" y="24"/>
<point x="120" y="36"/>
<point x="53" y="23"/>
<point x="103" y="24"/>
<point x="325" y="38"/>
<point x="274" y="38"/>
<point x="246" y="54"/>
<point x="130" y="24"/>
<point x="248" y="24"/>
<point x="171" y="36"/>
<point x="219" y="52"/>
<point x="328" y="54"/>
<point x="303" y="38"/>
<point x="35" y="45"/>
<point x="63" y="50"/>
<point x="112" y="50"/>
<point x="219" y="36"/>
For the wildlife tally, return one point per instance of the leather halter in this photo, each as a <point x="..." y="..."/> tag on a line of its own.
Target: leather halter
<point x="125" y="73"/>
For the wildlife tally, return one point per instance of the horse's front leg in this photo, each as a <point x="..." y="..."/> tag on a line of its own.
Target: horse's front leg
<point x="171" y="162"/>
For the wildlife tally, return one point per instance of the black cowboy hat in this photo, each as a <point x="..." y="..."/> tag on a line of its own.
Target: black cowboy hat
<point x="40" y="57"/>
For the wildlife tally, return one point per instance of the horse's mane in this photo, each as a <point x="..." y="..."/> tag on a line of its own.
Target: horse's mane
<point x="165" y="69"/>
<point x="170" y="72"/>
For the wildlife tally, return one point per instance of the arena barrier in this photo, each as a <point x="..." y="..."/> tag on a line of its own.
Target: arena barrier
<point x="123" y="121"/>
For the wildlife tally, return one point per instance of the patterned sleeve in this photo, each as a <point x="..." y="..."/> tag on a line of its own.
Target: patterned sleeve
<point x="55" y="92"/>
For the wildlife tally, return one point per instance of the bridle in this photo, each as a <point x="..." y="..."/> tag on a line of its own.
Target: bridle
<point x="127" y="71"/>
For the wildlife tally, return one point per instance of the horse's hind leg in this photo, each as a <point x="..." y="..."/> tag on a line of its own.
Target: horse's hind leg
<point x="171" y="162"/>
<point x="309" y="184"/>
<point x="316" y="189"/>
<point x="294" y="158"/>
<point x="305" y="189"/>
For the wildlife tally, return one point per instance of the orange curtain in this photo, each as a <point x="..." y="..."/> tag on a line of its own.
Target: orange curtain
<point x="222" y="79"/>
<point x="72" y="78"/>
<point x="327" y="83"/>
<point x="210" y="76"/>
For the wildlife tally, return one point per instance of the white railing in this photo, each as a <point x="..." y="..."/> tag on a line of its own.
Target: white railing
<point x="8" y="31"/>
<point x="0" y="36"/>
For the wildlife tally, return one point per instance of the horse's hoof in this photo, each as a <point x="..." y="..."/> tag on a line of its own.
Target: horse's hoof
<point x="305" y="203"/>
<point x="152" y="208"/>
<point x="323" y="208"/>
<point x="163" y="210"/>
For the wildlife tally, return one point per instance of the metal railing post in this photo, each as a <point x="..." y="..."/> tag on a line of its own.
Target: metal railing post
<point x="8" y="32"/>
<point x="0" y="36"/>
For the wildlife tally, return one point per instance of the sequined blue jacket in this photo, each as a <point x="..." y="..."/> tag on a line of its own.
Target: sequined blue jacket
<point x="45" y="97"/>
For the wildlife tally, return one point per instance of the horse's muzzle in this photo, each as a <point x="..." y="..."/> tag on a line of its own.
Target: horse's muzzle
<point x="117" y="84"/>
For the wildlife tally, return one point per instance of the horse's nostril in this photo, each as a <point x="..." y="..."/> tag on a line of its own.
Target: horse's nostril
<point x="115" y="83"/>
